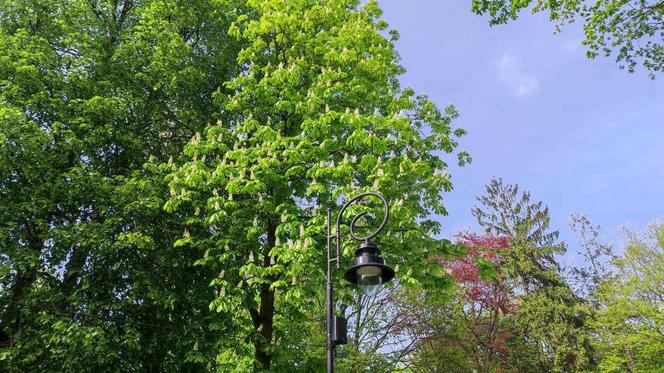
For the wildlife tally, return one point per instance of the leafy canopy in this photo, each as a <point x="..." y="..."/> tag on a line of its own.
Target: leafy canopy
<point x="92" y="95"/>
<point x="630" y="322"/>
<point x="315" y="115"/>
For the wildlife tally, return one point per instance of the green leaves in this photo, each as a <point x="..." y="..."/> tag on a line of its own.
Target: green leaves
<point x="486" y="268"/>
<point x="545" y="309"/>
<point x="94" y="100"/>
<point x="317" y="113"/>
<point x="632" y="30"/>
<point x="629" y="321"/>
<point x="150" y="149"/>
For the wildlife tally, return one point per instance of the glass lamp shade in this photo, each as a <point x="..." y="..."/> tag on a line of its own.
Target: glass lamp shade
<point x="369" y="270"/>
<point x="369" y="279"/>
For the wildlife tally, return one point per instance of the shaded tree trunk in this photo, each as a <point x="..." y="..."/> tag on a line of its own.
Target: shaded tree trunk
<point x="263" y="319"/>
<point x="24" y="279"/>
<point x="72" y="276"/>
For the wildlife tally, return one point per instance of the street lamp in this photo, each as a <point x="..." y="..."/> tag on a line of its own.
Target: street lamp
<point x="368" y="271"/>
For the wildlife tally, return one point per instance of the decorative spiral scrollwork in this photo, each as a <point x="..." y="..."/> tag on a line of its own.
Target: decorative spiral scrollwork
<point x="353" y="223"/>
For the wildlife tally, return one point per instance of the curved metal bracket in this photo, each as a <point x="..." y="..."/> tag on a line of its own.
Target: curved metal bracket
<point x="333" y="323"/>
<point x="353" y="222"/>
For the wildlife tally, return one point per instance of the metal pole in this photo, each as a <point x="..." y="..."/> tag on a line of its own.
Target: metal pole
<point x="329" y="300"/>
<point x="337" y="258"/>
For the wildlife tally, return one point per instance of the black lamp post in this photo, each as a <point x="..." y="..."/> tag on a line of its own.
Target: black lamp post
<point x="369" y="270"/>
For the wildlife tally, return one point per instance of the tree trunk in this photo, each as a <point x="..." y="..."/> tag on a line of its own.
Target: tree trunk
<point x="263" y="321"/>
<point x="24" y="279"/>
<point x="72" y="276"/>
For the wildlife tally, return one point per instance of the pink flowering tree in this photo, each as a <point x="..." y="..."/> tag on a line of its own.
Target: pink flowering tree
<point x="483" y="298"/>
<point x="476" y="272"/>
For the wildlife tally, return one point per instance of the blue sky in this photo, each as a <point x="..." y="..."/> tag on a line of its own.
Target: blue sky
<point x="580" y="134"/>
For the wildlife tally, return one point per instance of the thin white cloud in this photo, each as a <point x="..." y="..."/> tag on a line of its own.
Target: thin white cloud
<point x="572" y="45"/>
<point x="510" y="72"/>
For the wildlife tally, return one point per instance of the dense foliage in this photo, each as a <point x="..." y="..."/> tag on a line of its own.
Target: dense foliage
<point x="165" y="171"/>
<point x="289" y="106"/>
<point x="630" y="320"/>
<point x="92" y="94"/>
<point x="315" y="115"/>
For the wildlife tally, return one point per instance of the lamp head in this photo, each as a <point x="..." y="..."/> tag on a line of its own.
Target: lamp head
<point x="369" y="270"/>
